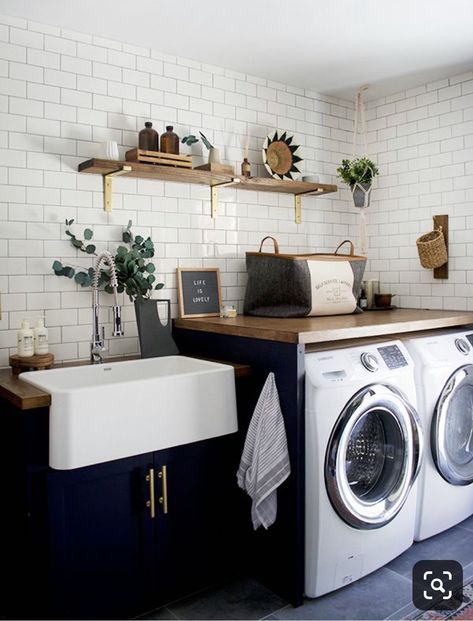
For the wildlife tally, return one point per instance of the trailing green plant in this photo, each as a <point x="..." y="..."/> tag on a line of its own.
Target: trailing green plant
<point x="191" y="139"/>
<point x="135" y="271"/>
<point x="359" y="170"/>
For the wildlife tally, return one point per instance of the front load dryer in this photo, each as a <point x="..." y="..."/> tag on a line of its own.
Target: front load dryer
<point x="363" y="449"/>
<point x="444" y="380"/>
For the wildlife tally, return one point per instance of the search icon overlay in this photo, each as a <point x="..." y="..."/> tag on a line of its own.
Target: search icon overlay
<point x="437" y="585"/>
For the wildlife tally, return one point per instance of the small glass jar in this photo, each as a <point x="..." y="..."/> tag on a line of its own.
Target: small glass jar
<point x="228" y="311"/>
<point x="148" y="138"/>
<point x="169" y="141"/>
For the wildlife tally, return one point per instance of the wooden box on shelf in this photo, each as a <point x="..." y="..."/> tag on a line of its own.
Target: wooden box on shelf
<point x="156" y="157"/>
<point x="221" y="169"/>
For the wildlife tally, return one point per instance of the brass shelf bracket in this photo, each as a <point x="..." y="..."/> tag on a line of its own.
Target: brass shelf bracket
<point x="107" y="186"/>
<point x="298" y="203"/>
<point x="214" y="194"/>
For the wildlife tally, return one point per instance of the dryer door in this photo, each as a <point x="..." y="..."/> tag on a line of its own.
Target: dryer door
<point x="452" y="428"/>
<point x="373" y="457"/>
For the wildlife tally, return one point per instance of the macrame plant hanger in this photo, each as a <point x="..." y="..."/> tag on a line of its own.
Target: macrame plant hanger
<point x="360" y="122"/>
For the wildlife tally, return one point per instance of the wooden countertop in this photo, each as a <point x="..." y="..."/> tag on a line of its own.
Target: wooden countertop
<point x="22" y="395"/>
<point x="307" y="330"/>
<point x="27" y="397"/>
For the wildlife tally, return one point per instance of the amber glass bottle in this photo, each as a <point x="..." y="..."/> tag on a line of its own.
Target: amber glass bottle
<point x="148" y="138"/>
<point x="169" y="141"/>
<point x="245" y="168"/>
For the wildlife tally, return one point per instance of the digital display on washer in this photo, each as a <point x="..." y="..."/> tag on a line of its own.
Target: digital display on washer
<point x="470" y="338"/>
<point x="392" y="356"/>
<point x="334" y="375"/>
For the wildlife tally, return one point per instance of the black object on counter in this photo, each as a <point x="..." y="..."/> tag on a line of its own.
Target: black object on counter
<point x="363" y="301"/>
<point x="148" y="138"/>
<point x="155" y="334"/>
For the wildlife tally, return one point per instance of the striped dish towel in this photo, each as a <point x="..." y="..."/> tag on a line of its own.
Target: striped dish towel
<point x="264" y="463"/>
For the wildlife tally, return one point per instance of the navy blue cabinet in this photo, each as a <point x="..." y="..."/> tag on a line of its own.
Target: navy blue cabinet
<point x="129" y="535"/>
<point x="112" y="540"/>
<point x="199" y="537"/>
<point x="100" y="540"/>
<point x="274" y="556"/>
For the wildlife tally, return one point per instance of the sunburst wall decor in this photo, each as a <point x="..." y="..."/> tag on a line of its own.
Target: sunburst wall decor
<point x="279" y="156"/>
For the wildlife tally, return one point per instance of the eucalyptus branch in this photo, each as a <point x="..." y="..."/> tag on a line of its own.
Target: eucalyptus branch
<point x="191" y="139"/>
<point x="135" y="271"/>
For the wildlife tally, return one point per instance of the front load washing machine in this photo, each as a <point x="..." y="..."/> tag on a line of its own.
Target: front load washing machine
<point x="444" y="379"/>
<point x="363" y="449"/>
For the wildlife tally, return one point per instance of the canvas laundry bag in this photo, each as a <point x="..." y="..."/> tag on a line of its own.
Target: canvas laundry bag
<point x="299" y="285"/>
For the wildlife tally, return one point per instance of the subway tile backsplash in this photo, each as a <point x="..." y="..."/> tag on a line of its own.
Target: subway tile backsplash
<point x="423" y="141"/>
<point x="63" y="93"/>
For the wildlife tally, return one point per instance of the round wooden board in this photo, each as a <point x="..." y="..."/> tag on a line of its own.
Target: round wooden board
<point x="279" y="157"/>
<point x="39" y="362"/>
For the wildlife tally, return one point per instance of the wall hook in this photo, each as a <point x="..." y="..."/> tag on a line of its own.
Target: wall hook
<point x="441" y="224"/>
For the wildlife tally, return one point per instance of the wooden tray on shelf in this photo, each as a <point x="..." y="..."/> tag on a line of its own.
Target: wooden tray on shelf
<point x="156" y="157"/>
<point x="38" y="362"/>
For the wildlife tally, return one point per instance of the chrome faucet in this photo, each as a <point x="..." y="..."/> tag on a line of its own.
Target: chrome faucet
<point x="97" y="345"/>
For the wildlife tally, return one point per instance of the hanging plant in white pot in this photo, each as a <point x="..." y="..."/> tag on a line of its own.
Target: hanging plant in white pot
<point x="358" y="174"/>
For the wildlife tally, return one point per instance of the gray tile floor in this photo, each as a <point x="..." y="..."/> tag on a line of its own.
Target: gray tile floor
<point x="384" y="594"/>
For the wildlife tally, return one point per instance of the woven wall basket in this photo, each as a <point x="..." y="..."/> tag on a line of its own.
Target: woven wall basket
<point x="432" y="249"/>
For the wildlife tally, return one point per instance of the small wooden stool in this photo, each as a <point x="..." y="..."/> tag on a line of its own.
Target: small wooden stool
<point x="31" y="363"/>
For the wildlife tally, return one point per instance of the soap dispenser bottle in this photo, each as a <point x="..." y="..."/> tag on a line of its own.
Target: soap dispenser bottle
<point x="41" y="344"/>
<point x="25" y="340"/>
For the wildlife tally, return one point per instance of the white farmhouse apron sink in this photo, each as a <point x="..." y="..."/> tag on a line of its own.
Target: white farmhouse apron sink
<point x="113" y="410"/>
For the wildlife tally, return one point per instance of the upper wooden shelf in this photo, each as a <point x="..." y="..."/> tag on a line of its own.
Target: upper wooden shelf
<point x="205" y="177"/>
<point x="110" y="168"/>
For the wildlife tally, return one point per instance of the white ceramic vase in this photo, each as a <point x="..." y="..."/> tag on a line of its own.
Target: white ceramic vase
<point x="214" y="156"/>
<point x="110" y="150"/>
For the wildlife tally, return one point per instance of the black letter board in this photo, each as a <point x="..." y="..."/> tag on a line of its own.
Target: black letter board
<point x="199" y="292"/>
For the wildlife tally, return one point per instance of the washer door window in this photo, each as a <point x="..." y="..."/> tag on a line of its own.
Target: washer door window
<point x="452" y="428"/>
<point x="373" y="457"/>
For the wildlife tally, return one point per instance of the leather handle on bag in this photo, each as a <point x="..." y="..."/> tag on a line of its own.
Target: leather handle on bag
<point x="346" y="241"/>
<point x="275" y="242"/>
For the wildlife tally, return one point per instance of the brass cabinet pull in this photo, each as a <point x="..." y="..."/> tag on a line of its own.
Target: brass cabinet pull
<point x="151" y="502"/>
<point x="164" y="498"/>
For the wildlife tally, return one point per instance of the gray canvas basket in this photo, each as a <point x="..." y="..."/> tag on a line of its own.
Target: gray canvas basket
<point x="298" y="285"/>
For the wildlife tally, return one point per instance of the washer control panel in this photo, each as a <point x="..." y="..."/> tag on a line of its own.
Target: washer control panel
<point x="392" y="356"/>
<point x="369" y="361"/>
<point x="462" y="346"/>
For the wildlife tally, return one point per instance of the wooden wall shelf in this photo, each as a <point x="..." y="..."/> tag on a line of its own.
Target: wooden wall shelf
<point x="111" y="168"/>
<point x="268" y="184"/>
<point x="149" y="171"/>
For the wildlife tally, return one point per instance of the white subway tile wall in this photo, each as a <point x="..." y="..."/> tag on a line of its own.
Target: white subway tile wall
<point x="422" y="140"/>
<point x="62" y="93"/>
